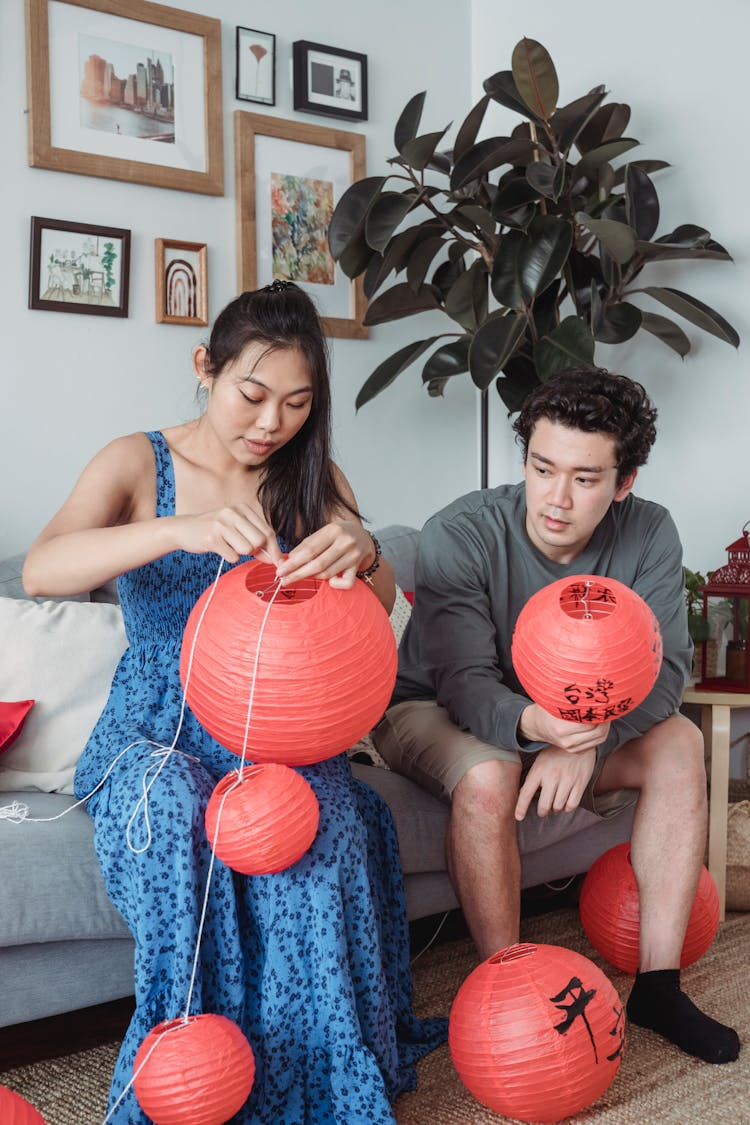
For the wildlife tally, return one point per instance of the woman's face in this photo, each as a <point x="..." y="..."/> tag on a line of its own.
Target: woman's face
<point x="258" y="402"/>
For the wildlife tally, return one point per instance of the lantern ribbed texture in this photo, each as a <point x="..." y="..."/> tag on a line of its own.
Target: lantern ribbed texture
<point x="200" y="1073"/>
<point x="587" y="653"/>
<point x="537" y="1032"/>
<point x="610" y="912"/>
<point x="15" y="1110"/>
<point x="325" y="674"/>
<point x="268" y="819"/>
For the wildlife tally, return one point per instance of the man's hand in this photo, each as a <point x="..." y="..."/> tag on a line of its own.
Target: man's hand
<point x="560" y="777"/>
<point x="538" y="725"/>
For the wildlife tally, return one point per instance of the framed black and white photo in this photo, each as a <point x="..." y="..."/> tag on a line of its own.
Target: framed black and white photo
<point x="256" y="66"/>
<point x="330" y="81"/>
<point x="79" y="268"/>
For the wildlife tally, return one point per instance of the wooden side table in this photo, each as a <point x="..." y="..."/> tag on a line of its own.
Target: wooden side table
<point x="716" y="714"/>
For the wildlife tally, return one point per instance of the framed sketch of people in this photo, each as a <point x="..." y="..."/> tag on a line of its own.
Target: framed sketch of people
<point x="290" y="176"/>
<point x="329" y="81"/>
<point x="125" y="91"/>
<point x="79" y="268"/>
<point x="181" y="282"/>
<point x="256" y="66"/>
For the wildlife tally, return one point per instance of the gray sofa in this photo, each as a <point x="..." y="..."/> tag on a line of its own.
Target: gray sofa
<point x="63" y="946"/>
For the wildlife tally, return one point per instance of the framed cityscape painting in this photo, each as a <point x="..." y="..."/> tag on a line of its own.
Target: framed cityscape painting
<point x="79" y="268"/>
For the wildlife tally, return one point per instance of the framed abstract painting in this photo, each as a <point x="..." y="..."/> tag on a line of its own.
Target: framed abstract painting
<point x="181" y="282"/>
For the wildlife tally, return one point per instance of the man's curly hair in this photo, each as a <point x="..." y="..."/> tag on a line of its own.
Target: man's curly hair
<point x="596" y="401"/>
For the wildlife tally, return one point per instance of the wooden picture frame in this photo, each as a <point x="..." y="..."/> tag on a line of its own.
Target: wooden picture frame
<point x="87" y="268"/>
<point x="103" y="100"/>
<point x="285" y="168"/>
<point x="329" y="81"/>
<point x="181" y="287"/>
<point x="255" y="66"/>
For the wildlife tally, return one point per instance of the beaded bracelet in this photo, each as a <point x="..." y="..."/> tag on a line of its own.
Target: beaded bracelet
<point x="368" y="573"/>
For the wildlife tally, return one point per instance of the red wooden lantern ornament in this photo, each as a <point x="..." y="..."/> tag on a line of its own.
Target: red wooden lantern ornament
<point x="15" y="1110"/>
<point x="587" y="649"/>
<point x="610" y="912"/>
<point x="268" y="819"/>
<point x="726" y="609"/>
<point x="537" y="1032"/>
<point x="199" y="1073"/>
<point x="325" y="671"/>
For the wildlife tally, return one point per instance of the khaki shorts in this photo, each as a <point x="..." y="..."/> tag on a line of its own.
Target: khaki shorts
<point x="419" y="740"/>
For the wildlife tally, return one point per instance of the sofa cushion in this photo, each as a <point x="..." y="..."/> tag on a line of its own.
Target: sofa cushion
<point x="63" y="655"/>
<point x="12" y="717"/>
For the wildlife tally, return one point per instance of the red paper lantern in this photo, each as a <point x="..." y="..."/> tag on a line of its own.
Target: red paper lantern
<point x="537" y="1032"/>
<point x="325" y="672"/>
<point x="199" y="1073"/>
<point x="587" y="649"/>
<point x="610" y="912"/>
<point x="268" y="818"/>
<point x="15" y="1110"/>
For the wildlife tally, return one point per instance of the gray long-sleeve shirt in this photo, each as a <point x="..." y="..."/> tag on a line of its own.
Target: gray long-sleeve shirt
<point x="476" y="569"/>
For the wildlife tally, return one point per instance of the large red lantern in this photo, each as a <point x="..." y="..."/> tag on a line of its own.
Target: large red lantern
<point x="610" y="912"/>
<point x="326" y="665"/>
<point x="537" y="1032"/>
<point x="15" y="1110"/>
<point x="267" y="818"/>
<point x="200" y="1071"/>
<point x="587" y="649"/>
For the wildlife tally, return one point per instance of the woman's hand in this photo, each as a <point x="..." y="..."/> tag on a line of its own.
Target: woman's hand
<point x="229" y="532"/>
<point x="336" y="552"/>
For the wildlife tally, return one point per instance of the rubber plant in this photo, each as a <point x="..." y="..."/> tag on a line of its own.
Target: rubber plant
<point x="532" y="244"/>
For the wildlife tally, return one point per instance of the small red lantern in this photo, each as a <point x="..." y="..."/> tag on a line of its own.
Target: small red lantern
<point x="726" y="608"/>
<point x="610" y="912"/>
<point x="15" y="1110"/>
<point x="537" y="1032"/>
<point x="587" y="649"/>
<point x="326" y="665"/>
<point x="200" y="1071"/>
<point x="269" y="817"/>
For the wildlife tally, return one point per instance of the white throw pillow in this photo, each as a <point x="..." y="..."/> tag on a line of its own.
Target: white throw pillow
<point x="63" y="655"/>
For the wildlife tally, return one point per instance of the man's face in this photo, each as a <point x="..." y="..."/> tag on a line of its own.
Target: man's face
<point x="571" y="480"/>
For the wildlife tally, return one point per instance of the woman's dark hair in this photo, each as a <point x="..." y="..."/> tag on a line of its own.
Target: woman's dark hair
<point x="298" y="485"/>
<point x="597" y="401"/>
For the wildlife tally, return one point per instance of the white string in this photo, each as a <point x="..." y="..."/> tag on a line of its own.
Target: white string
<point x="432" y="939"/>
<point x="149" y="1053"/>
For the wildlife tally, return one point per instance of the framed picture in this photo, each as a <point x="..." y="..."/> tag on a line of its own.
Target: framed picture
<point x="330" y="81"/>
<point x="181" y="282"/>
<point x="256" y="66"/>
<point x="125" y="91"/>
<point x="290" y="176"/>
<point x="79" y="268"/>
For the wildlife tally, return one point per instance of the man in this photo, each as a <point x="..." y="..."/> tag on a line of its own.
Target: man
<point x="460" y="725"/>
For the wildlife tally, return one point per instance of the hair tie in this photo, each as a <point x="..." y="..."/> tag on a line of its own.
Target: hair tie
<point x="277" y="286"/>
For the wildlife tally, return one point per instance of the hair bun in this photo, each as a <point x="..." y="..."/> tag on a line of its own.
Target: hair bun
<point x="277" y="286"/>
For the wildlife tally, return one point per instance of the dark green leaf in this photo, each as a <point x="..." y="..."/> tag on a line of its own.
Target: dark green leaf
<point x="357" y="256"/>
<point x="478" y="217"/>
<point x="570" y="345"/>
<point x="641" y="202"/>
<point x="440" y="162"/>
<point x="693" y="310"/>
<point x="350" y="213"/>
<point x="467" y="134"/>
<point x="408" y="123"/>
<point x="371" y="279"/>
<point x="466" y="301"/>
<point x="617" y="323"/>
<point x="568" y="121"/>
<point x="662" y="252"/>
<point x="400" y="247"/>
<point x="506" y="275"/>
<point x="435" y="387"/>
<point x="546" y="315"/>
<point x="385" y="215"/>
<point x="645" y="166"/>
<point x="486" y="156"/>
<point x="602" y="155"/>
<point x="400" y="301"/>
<point x="667" y="331"/>
<point x="520" y="379"/>
<point x="520" y="219"/>
<point x="513" y="191"/>
<point x="535" y="77"/>
<point x="688" y="235"/>
<point x="450" y="359"/>
<point x="617" y="238"/>
<point x="493" y="345"/>
<point x="502" y="89"/>
<point x="386" y="372"/>
<point x="421" y="259"/>
<point x="419" y="152"/>
<point x="545" y="250"/>
<point x="582" y="270"/>
<point x="608" y="123"/>
<point x="546" y="179"/>
<point x="447" y="274"/>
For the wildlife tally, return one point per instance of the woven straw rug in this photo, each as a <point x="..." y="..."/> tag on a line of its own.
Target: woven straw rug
<point x="656" y="1084"/>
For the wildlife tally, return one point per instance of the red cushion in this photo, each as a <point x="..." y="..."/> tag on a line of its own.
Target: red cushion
<point x="409" y="595"/>
<point x="12" y="717"/>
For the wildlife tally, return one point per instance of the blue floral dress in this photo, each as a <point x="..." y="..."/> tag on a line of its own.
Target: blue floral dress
<point x="311" y="963"/>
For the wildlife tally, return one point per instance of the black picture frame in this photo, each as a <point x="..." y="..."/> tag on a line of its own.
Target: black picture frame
<point x="329" y="81"/>
<point x="81" y="271"/>
<point x="248" y="37"/>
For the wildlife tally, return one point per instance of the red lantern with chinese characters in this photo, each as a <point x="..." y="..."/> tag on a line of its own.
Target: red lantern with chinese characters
<point x="263" y="821"/>
<point x="198" y="1071"/>
<point x="726" y="601"/>
<point x="587" y="649"/>
<point x="537" y="1032"/>
<point x="610" y="912"/>
<point x="319" y="665"/>
<point x="15" y="1110"/>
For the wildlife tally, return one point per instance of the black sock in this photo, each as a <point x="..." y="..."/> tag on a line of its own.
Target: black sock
<point x="658" y="1002"/>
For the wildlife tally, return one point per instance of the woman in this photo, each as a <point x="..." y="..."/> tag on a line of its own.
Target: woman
<point x="311" y="963"/>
